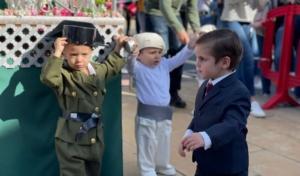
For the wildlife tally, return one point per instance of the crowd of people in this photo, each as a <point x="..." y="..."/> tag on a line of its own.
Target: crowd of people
<point x="240" y="16"/>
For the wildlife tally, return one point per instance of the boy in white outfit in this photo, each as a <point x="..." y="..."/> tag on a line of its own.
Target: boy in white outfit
<point x="150" y="72"/>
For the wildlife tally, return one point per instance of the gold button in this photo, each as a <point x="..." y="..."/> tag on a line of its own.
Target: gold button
<point x="95" y="94"/>
<point x="74" y="94"/>
<point x="93" y="140"/>
<point x="96" y="109"/>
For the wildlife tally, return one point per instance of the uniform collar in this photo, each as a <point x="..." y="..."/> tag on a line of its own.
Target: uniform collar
<point x="91" y="69"/>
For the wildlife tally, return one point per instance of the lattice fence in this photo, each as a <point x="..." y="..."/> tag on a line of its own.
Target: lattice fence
<point x="23" y="44"/>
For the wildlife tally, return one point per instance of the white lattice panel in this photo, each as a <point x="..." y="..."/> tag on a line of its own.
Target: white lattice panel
<point x="22" y="44"/>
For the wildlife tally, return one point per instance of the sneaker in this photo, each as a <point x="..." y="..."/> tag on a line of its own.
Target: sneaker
<point x="256" y="110"/>
<point x="257" y="83"/>
<point x="177" y="101"/>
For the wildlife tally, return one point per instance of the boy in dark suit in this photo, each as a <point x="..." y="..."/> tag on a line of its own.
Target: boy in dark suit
<point x="217" y="133"/>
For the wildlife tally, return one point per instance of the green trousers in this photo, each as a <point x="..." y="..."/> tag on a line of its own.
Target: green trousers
<point x="79" y="160"/>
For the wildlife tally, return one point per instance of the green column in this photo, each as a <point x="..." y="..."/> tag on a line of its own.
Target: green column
<point x="28" y="116"/>
<point x="2" y="4"/>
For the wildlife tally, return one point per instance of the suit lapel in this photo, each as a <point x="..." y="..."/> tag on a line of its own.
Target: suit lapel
<point x="216" y="89"/>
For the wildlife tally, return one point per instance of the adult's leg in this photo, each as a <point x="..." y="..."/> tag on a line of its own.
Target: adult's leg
<point x="158" y="25"/>
<point x="245" y="68"/>
<point x="296" y="47"/>
<point x="137" y="22"/>
<point x="141" y="19"/>
<point x="266" y="83"/>
<point x="176" y="74"/>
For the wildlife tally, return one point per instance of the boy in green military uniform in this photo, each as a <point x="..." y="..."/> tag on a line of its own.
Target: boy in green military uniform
<point x="79" y="85"/>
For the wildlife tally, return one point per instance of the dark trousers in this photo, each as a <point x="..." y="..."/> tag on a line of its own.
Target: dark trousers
<point x="202" y="173"/>
<point x="160" y="26"/>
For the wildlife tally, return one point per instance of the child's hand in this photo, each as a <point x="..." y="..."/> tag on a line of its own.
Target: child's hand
<point x="136" y="51"/>
<point x="193" y="141"/>
<point x="120" y="43"/>
<point x="193" y="40"/>
<point x="181" y="150"/>
<point x="59" y="46"/>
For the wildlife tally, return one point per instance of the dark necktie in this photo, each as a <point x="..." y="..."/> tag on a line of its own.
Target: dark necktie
<point x="208" y="87"/>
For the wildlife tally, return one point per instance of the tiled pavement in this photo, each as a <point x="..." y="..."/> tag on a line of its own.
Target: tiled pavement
<point x="274" y="142"/>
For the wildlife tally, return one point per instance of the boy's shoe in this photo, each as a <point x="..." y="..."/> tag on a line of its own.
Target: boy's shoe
<point x="170" y="171"/>
<point x="177" y="101"/>
<point x="256" y="110"/>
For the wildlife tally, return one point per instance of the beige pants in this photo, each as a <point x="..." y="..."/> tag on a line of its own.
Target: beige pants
<point x="153" y="144"/>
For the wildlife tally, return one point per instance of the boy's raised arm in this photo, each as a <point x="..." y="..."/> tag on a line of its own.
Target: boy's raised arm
<point x="112" y="65"/>
<point x="184" y="54"/>
<point x="131" y="64"/>
<point x="51" y="71"/>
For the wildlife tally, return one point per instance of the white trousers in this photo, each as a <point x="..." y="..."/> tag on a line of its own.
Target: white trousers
<point x="153" y="146"/>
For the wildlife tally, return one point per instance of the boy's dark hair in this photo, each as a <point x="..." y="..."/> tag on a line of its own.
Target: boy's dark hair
<point x="222" y="43"/>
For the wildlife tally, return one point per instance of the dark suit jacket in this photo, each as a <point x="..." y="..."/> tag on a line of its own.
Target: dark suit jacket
<point x="223" y="114"/>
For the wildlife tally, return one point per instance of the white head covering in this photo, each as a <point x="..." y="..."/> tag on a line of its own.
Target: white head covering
<point x="149" y="39"/>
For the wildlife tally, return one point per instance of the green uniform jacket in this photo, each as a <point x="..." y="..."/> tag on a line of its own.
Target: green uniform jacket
<point x="78" y="92"/>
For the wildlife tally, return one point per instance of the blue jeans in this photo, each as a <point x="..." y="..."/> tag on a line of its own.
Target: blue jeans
<point x="217" y="10"/>
<point x="246" y="66"/>
<point x="207" y="19"/>
<point x="278" y="46"/>
<point x="257" y="47"/>
<point x="160" y="26"/>
<point x="140" y="20"/>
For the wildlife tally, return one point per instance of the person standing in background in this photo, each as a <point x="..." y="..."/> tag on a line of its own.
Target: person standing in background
<point x="140" y="15"/>
<point x="237" y="15"/>
<point x="162" y="17"/>
<point x="205" y="15"/>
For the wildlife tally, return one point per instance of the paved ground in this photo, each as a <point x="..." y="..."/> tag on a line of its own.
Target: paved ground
<point x="274" y="142"/>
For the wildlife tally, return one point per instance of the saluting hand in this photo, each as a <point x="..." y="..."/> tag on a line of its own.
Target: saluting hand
<point x="59" y="46"/>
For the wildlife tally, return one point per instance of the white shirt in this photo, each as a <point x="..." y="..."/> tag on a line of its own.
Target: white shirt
<point x="203" y="5"/>
<point x="91" y="69"/>
<point x="207" y="140"/>
<point x="153" y="84"/>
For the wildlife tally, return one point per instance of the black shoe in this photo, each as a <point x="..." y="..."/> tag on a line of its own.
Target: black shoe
<point x="177" y="101"/>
